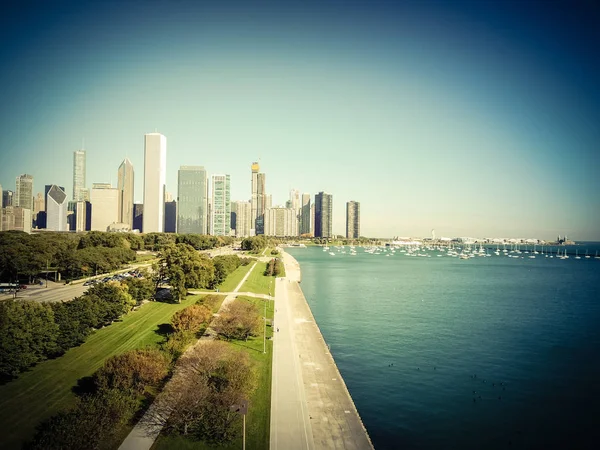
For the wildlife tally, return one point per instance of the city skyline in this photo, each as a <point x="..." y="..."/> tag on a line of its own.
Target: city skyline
<point x="470" y="119"/>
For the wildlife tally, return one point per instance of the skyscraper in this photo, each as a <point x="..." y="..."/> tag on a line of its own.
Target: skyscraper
<point x="352" y="220"/>
<point x="56" y="209"/>
<point x="78" y="175"/>
<point x="305" y="227"/>
<point x="105" y="206"/>
<point x="138" y="216"/>
<point x="24" y="192"/>
<point x="240" y="218"/>
<point x="281" y="222"/>
<point x="323" y="215"/>
<point x="171" y="216"/>
<point x="8" y="198"/>
<point x="257" y="200"/>
<point x="221" y="207"/>
<point x="125" y="188"/>
<point x="192" y="208"/>
<point x="155" y="166"/>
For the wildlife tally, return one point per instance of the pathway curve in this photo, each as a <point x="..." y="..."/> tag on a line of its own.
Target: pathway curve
<point x="311" y="407"/>
<point x="145" y="432"/>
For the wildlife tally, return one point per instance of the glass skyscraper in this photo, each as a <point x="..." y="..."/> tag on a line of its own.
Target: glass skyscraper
<point x="79" y="176"/>
<point x="323" y="215"/>
<point x="192" y="208"/>
<point x="220" y="220"/>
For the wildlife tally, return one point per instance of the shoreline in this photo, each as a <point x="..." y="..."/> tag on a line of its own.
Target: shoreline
<point x="334" y="421"/>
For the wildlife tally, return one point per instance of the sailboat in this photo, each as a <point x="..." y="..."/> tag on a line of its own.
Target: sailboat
<point x="577" y="254"/>
<point x="586" y="255"/>
<point x="596" y="257"/>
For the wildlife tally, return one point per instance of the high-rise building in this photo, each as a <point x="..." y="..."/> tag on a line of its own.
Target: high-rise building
<point x="83" y="216"/>
<point x="257" y="200"/>
<point x="8" y="198"/>
<point x="352" y="220"/>
<point x="312" y="219"/>
<point x="171" y="216"/>
<point x="155" y="166"/>
<point x="323" y="215"/>
<point x="294" y="199"/>
<point x="56" y="209"/>
<point x="220" y="205"/>
<point x="39" y="203"/>
<point x="125" y="188"/>
<point x="192" y="193"/>
<point x="138" y="216"/>
<point x="240" y="218"/>
<point x="15" y="218"/>
<point x="268" y="201"/>
<point x="305" y="227"/>
<point x="105" y="206"/>
<point x="24" y="192"/>
<point x="281" y="222"/>
<point x="78" y="175"/>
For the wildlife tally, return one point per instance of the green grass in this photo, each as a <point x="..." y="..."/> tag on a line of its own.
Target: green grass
<point x="234" y="278"/>
<point x="258" y="420"/>
<point x="46" y="389"/>
<point x="144" y="258"/>
<point x="259" y="283"/>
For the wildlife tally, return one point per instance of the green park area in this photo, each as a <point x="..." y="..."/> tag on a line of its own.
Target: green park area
<point x="259" y="283"/>
<point x="258" y="419"/>
<point x="46" y="389"/>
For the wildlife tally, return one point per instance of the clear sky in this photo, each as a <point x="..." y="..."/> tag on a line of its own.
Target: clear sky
<point x="476" y="118"/>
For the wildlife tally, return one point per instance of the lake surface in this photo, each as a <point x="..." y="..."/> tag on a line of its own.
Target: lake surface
<point x="484" y="353"/>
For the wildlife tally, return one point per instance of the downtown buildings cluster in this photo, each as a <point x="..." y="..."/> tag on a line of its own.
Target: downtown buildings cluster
<point x="203" y="204"/>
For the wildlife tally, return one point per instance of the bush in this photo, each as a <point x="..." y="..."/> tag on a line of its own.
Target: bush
<point x="176" y="343"/>
<point x="133" y="371"/>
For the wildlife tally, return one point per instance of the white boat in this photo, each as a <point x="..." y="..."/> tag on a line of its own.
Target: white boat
<point x="332" y="254"/>
<point x="577" y="254"/>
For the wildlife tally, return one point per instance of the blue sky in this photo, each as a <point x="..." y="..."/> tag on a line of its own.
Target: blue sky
<point x="473" y="118"/>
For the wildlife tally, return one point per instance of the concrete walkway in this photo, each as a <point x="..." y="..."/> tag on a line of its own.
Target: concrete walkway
<point x="311" y="407"/>
<point x="145" y="432"/>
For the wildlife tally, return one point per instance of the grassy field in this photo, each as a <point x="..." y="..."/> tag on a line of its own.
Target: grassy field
<point x="232" y="280"/>
<point x="46" y="389"/>
<point x="258" y="419"/>
<point x="259" y="283"/>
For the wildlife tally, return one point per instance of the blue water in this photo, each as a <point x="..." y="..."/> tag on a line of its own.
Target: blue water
<point x="529" y="326"/>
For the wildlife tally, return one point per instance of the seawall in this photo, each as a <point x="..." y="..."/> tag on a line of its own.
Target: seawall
<point x="319" y="409"/>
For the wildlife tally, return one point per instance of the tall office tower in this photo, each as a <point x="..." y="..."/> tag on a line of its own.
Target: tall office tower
<point x="305" y="214"/>
<point x="281" y="222"/>
<point x="323" y="215"/>
<point x="240" y="218"/>
<point x="16" y="218"/>
<point x="105" y="206"/>
<point x="39" y="203"/>
<point x="8" y="198"/>
<point x="24" y="192"/>
<point x="258" y="199"/>
<point x="125" y="188"/>
<point x="312" y="219"/>
<point x="171" y="216"/>
<point x="268" y="201"/>
<point x="138" y="216"/>
<point x="220" y="205"/>
<point x="192" y="194"/>
<point x="83" y="216"/>
<point x="294" y="199"/>
<point x="352" y="220"/>
<point x="155" y="166"/>
<point x="56" y="209"/>
<point x="78" y="175"/>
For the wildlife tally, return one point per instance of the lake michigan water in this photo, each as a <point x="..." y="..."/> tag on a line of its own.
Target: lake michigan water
<point x="484" y="353"/>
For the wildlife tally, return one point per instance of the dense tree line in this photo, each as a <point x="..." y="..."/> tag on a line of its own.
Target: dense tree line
<point x="255" y="244"/>
<point x="75" y="255"/>
<point x="31" y="332"/>
<point x="274" y="268"/>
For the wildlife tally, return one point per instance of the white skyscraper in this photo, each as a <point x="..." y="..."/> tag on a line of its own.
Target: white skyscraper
<point x="24" y="192"/>
<point x="240" y="218"/>
<point x="155" y="168"/>
<point x="79" y="175"/>
<point x="56" y="209"/>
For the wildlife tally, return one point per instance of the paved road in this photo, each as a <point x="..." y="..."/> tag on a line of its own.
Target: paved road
<point x="145" y="432"/>
<point x="311" y="407"/>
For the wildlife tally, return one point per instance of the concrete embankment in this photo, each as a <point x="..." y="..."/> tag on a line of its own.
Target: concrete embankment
<point x="311" y="405"/>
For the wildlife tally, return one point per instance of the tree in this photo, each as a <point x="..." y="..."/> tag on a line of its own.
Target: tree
<point x="193" y="318"/>
<point x="140" y="289"/>
<point x="255" y="244"/>
<point x="210" y="379"/>
<point x="239" y="321"/>
<point x="27" y="335"/>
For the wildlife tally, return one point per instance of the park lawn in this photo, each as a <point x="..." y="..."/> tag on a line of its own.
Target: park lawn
<point x="258" y="420"/>
<point x="46" y="389"/>
<point x="234" y="278"/>
<point x="259" y="283"/>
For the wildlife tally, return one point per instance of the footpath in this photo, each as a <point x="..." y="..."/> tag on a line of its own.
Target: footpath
<point x="311" y="407"/>
<point x="145" y="432"/>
